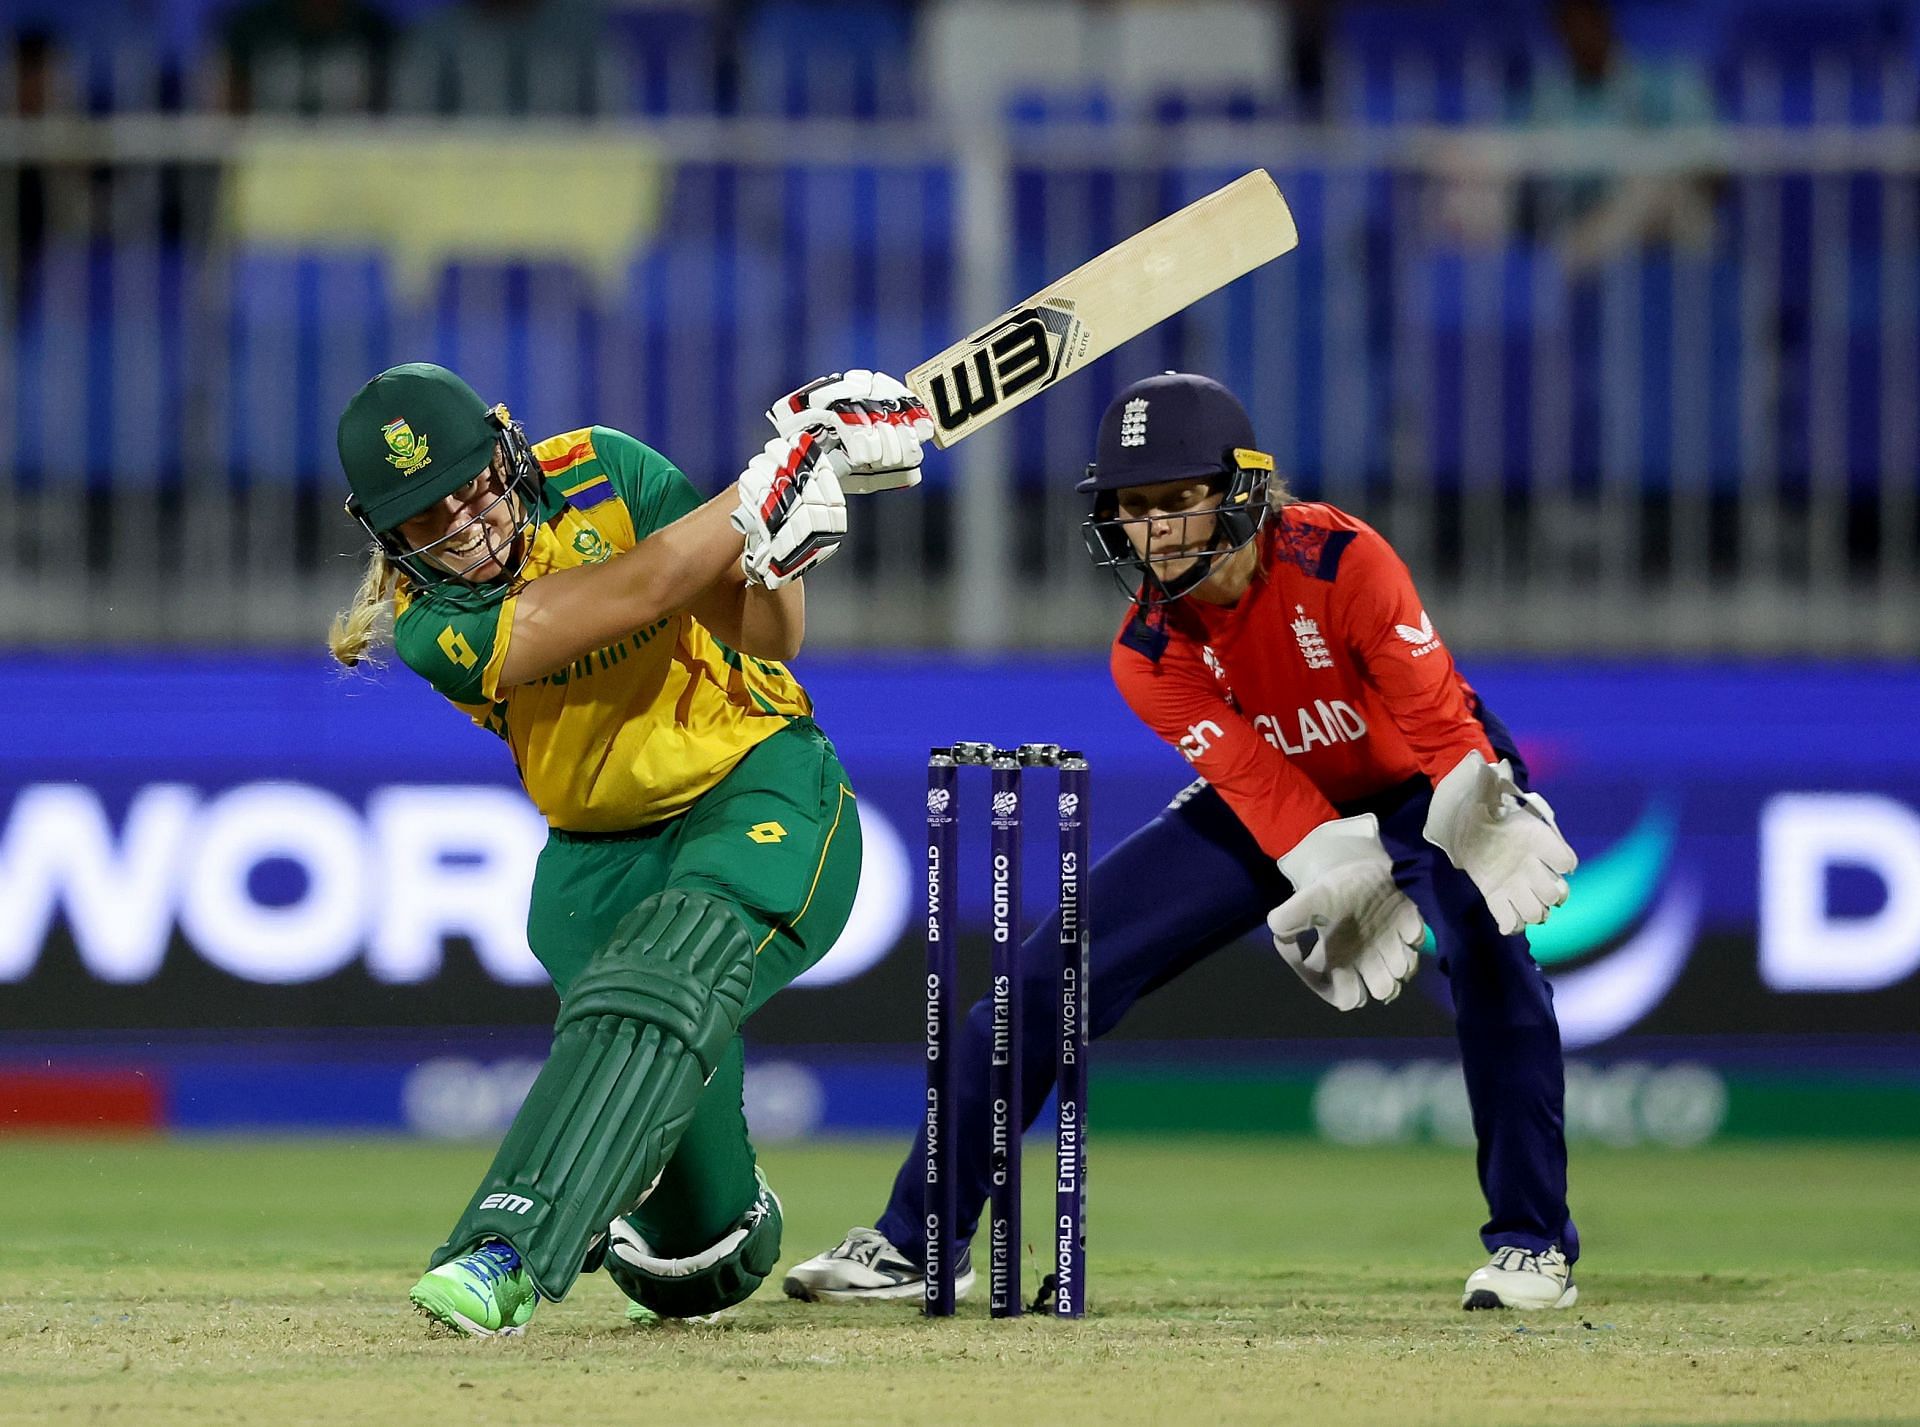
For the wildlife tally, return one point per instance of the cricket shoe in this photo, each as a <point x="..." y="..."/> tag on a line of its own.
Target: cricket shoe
<point x="484" y="1294"/>
<point x="1522" y="1278"/>
<point x="866" y="1268"/>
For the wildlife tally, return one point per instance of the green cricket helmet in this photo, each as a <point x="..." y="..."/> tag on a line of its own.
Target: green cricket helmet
<point x="413" y="436"/>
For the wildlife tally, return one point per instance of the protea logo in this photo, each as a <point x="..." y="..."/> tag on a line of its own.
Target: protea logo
<point x="589" y="546"/>
<point x="409" y="451"/>
<point x="1619" y="944"/>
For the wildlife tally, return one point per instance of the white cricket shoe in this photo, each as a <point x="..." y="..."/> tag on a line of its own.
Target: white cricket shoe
<point x="866" y="1268"/>
<point x="1521" y="1278"/>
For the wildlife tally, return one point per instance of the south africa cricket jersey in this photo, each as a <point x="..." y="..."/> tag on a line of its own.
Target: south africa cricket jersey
<point x="628" y="735"/>
<point x="1325" y="683"/>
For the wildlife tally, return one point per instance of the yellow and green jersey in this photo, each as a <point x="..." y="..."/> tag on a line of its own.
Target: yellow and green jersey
<point x="630" y="734"/>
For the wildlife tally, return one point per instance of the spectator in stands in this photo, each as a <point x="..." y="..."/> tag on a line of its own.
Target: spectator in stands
<point x="39" y="197"/>
<point x="307" y="57"/>
<point x="1584" y="211"/>
<point x="518" y="57"/>
<point x="1592" y="218"/>
<point x="1310" y="24"/>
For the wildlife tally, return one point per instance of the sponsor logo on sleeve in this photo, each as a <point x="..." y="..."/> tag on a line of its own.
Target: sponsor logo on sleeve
<point x="454" y="645"/>
<point x="1199" y="739"/>
<point x="1420" y="636"/>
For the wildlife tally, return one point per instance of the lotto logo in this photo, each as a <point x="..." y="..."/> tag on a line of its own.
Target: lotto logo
<point x="1005" y="805"/>
<point x="937" y="800"/>
<point x="1069" y="804"/>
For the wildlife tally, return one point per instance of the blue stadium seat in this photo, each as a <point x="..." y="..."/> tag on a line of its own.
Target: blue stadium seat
<point x="1799" y="43"/>
<point x="1382" y="39"/>
<point x="670" y="55"/>
<point x="1662" y="27"/>
<point x="848" y="60"/>
<point x="304" y="331"/>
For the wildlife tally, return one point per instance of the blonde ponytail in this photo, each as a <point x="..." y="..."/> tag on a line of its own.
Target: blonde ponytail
<point x="358" y="627"/>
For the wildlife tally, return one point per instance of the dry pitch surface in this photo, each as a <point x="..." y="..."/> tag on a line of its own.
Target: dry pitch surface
<point x="160" y="1283"/>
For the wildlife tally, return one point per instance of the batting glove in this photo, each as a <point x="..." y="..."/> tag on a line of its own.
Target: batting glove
<point x="1507" y="841"/>
<point x="792" y="510"/>
<point x="881" y="425"/>
<point x="1368" y="933"/>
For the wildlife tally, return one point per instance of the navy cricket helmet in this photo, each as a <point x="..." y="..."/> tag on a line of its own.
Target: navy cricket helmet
<point x="1172" y="427"/>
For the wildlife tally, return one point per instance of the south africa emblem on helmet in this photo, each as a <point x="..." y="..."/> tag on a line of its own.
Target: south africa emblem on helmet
<point x="590" y="547"/>
<point x="409" y="451"/>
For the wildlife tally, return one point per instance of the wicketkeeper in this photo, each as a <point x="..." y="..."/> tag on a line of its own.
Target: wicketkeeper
<point x="1352" y="785"/>
<point x="578" y="600"/>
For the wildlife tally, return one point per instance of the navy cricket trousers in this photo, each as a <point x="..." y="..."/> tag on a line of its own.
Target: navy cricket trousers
<point x="1145" y="933"/>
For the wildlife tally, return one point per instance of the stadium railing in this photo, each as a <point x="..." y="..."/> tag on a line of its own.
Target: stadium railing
<point x="1608" y="390"/>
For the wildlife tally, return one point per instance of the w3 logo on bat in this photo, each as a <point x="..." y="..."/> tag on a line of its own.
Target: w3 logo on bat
<point x="1029" y="347"/>
<point x="1100" y="304"/>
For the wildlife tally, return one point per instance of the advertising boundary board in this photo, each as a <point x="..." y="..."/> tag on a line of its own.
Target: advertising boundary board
<point x="202" y="842"/>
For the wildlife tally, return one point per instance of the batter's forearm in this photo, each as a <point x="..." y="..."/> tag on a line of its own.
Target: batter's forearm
<point x="763" y="623"/>
<point x="560" y="617"/>
<point x="773" y="623"/>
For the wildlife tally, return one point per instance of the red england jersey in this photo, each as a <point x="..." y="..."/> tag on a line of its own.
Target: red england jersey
<point x="1323" y="684"/>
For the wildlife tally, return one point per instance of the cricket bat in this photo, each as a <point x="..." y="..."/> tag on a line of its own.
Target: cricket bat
<point x="1104" y="302"/>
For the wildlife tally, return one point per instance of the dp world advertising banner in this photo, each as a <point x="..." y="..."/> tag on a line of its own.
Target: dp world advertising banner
<point x="240" y="845"/>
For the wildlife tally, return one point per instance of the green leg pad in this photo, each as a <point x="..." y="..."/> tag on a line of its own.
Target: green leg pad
<point x="704" y="1283"/>
<point x="636" y="1041"/>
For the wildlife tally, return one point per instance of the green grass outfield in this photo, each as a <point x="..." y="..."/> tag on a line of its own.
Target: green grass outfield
<point x="211" y="1281"/>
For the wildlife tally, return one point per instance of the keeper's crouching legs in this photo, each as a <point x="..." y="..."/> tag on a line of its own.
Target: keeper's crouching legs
<point x="638" y="1036"/>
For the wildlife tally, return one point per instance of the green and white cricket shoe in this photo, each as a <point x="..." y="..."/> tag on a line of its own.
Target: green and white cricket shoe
<point x="866" y="1268"/>
<point x="484" y="1294"/>
<point x="1521" y="1278"/>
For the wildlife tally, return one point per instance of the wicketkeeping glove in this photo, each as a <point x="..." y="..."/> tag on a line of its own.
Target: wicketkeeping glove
<point x="1507" y="841"/>
<point x="792" y="511"/>
<point x="1369" y="932"/>
<point x="881" y="426"/>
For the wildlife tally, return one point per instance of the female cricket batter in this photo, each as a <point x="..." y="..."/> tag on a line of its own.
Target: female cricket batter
<point x="578" y="600"/>
<point x="1351" y="781"/>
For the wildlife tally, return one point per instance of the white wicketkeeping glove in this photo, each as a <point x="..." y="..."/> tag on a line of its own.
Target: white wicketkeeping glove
<point x="880" y="423"/>
<point x="1505" y="840"/>
<point x="792" y="511"/>
<point x="1369" y="932"/>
